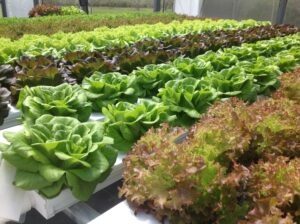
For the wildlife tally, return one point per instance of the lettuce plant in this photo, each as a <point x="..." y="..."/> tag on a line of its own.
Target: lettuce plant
<point x="239" y="164"/>
<point x="71" y="10"/>
<point x="60" y="152"/>
<point x="86" y="67"/>
<point x="104" y="37"/>
<point x="44" y="10"/>
<point x="178" y="183"/>
<point x="188" y="97"/>
<point x="7" y="73"/>
<point x="40" y="70"/>
<point x="82" y="63"/>
<point x="79" y="63"/>
<point x="110" y="88"/>
<point x="4" y="101"/>
<point x="128" y="62"/>
<point x="193" y="68"/>
<point x="153" y="77"/>
<point x="265" y="73"/>
<point x="219" y="60"/>
<point x="290" y="86"/>
<point x="273" y="191"/>
<point x="234" y="81"/>
<point x="127" y="122"/>
<point x="244" y="133"/>
<point x="277" y="129"/>
<point x="62" y="100"/>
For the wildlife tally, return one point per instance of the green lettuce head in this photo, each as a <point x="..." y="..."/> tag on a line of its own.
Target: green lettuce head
<point x="62" y="100"/>
<point x="110" y="88"/>
<point x="127" y="122"/>
<point x="60" y="152"/>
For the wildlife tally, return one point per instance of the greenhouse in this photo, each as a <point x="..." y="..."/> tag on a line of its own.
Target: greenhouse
<point x="150" y="111"/>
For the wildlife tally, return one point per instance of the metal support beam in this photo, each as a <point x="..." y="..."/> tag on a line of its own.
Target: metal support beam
<point x="84" y="5"/>
<point x="281" y="11"/>
<point x="35" y="2"/>
<point x="164" y="6"/>
<point x="156" y="5"/>
<point x="3" y="6"/>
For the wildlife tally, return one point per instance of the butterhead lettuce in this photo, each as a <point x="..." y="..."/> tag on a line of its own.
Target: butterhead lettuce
<point x="60" y="152"/>
<point x="62" y="100"/>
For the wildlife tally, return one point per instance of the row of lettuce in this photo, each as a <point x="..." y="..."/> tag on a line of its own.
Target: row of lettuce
<point x="238" y="164"/>
<point x="75" y="66"/>
<point x="105" y="37"/>
<point x="57" y="149"/>
<point x="16" y="28"/>
<point x="47" y="70"/>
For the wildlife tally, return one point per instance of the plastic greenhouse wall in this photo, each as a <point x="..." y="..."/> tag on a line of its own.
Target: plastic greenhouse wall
<point x="241" y="9"/>
<point x="190" y="7"/>
<point x="110" y="3"/>
<point x="292" y="14"/>
<point x="257" y="9"/>
<point x="130" y="4"/>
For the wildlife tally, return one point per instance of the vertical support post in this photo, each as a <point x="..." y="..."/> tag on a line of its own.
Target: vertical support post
<point x="234" y="9"/>
<point x="84" y="5"/>
<point x="281" y="11"/>
<point x="35" y="2"/>
<point x="3" y="6"/>
<point x="156" y="6"/>
<point x="174" y="5"/>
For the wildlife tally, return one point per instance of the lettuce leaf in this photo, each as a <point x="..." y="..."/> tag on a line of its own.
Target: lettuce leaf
<point x="60" y="152"/>
<point x="62" y="100"/>
<point x="127" y="122"/>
